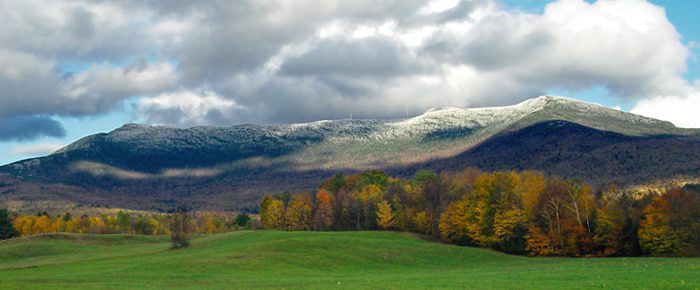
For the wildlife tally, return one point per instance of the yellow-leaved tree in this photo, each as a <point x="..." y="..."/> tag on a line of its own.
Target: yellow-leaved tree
<point x="299" y="214"/>
<point x="272" y="212"/>
<point x="385" y="215"/>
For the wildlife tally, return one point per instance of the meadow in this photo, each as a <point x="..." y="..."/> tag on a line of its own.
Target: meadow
<point x="313" y="260"/>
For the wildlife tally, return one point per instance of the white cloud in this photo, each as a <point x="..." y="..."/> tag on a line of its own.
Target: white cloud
<point x="36" y="149"/>
<point x="682" y="110"/>
<point x="186" y="108"/>
<point x="104" y="80"/>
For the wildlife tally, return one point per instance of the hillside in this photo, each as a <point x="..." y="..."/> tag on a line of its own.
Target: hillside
<point x="228" y="168"/>
<point x="313" y="260"/>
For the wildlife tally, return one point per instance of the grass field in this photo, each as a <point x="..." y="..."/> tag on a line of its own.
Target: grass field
<point x="345" y="260"/>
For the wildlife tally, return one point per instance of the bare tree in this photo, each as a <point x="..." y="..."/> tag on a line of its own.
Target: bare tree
<point x="180" y="229"/>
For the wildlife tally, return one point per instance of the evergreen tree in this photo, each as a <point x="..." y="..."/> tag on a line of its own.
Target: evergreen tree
<point x="6" y="228"/>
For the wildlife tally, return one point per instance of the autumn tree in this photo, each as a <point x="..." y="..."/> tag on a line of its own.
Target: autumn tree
<point x="210" y="225"/>
<point x="41" y="225"/>
<point x="368" y="198"/>
<point x="516" y="212"/>
<point x="459" y="223"/>
<point x="671" y="224"/>
<point x="323" y="213"/>
<point x="272" y="212"/>
<point x="385" y="215"/>
<point x="617" y="223"/>
<point x="23" y="224"/>
<point x="299" y="213"/>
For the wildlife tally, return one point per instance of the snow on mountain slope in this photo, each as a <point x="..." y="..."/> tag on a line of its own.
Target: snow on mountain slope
<point x="156" y="167"/>
<point x="337" y="144"/>
<point x="433" y="120"/>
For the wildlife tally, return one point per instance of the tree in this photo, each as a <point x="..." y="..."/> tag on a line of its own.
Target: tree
<point x="670" y="225"/>
<point x="335" y="184"/>
<point x="539" y="243"/>
<point x="98" y="225"/>
<point x="209" y="224"/>
<point x="374" y="177"/>
<point x="509" y="231"/>
<point x="299" y="214"/>
<point x="58" y="225"/>
<point x="423" y="222"/>
<point x="272" y="212"/>
<point x="385" y="215"/>
<point x="23" y="224"/>
<point x="323" y="216"/>
<point x="608" y="231"/>
<point x="41" y="225"/>
<point x="7" y="229"/>
<point x="242" y="219"/>
<point x="180" y="229"/>
<point x="368" y="197"/>
<point x="123" y="222"/>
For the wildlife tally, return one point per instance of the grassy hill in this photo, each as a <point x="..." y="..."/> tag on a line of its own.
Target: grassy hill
<point x="321" y="260"/>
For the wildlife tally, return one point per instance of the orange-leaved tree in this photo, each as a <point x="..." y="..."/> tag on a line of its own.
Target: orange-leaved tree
<point x="323" y="215"/>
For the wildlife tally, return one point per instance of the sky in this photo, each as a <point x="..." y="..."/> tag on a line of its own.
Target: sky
<point x="73" y="68"/>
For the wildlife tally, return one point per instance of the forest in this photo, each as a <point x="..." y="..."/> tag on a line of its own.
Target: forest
<point x="524" y="213"/>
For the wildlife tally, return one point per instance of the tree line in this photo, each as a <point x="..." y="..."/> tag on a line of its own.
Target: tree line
<point x="526" y="213"/>
<point x="120" y="223"/>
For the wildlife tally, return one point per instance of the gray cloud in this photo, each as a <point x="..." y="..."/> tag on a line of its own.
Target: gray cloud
<point x="369" y="57"/>
<point x="223" y="62"/>
<point x="498" y="42"/>
<point x="82" y="24"/>
<point x="235" y="37"/>
<point x="23" y="128"/>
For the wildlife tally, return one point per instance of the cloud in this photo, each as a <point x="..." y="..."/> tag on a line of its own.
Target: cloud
<point x="36" y="149"/>
<point x="40" y="38"/>
<point x="31" y="85"/>
<point x="187" y="108"/>
<point x="101" y="87"/>
<point x="292" y="61"/>
<point x="367" y="57"/>
<point x="29" y="127"/>
<point x="466" y="53"/>
<point x="629" y="47"/>
<point x="681" y="110"/>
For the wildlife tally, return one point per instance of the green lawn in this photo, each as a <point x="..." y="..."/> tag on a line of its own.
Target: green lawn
<point x="343" y="260"/>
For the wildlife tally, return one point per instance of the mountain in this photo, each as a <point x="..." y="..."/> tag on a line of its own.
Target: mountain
<point x="228" y="168"/>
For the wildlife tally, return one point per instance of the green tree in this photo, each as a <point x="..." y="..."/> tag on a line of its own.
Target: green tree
<point x="242" y="219"/>
<point x="6" y="228"/>
<point x="143" y="226"/>
<point x="123" y="222"/>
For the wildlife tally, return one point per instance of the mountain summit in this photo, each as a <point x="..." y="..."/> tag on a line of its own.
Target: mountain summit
<point x="146" y="166"/>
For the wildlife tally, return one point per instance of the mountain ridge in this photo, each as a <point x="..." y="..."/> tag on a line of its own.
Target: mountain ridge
<point x="471" y="125"/>
<point x="242" y="161"/>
